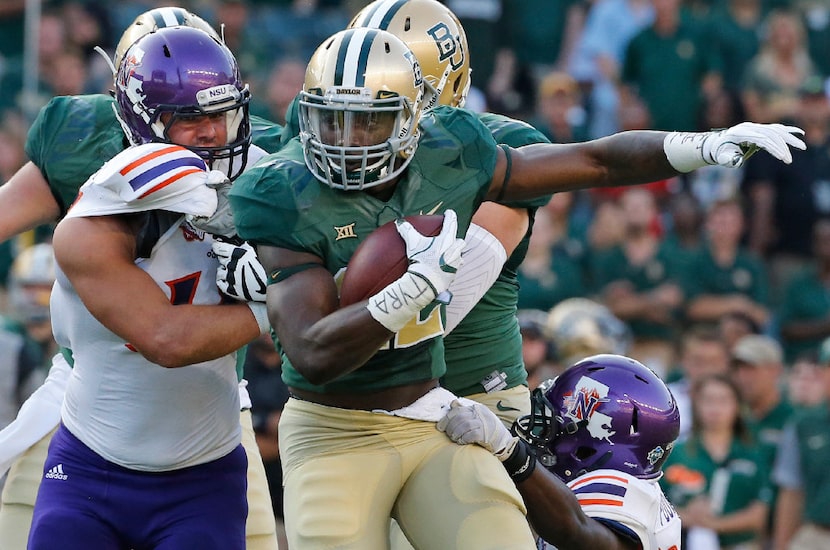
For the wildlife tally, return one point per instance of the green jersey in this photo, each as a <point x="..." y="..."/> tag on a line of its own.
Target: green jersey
<point x="71" y="138"/>
<point x="487" y="342"/>
<point x="613" y="265"/>
<point x="741" y="479"/>
<point x="746" y="275"/>
<point x="280" y="203"/>
<point x="813" y="429"/>
<point x="805" y="300"/>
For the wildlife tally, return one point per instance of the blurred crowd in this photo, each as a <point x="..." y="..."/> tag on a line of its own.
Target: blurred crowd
<point x="719" y="280"/>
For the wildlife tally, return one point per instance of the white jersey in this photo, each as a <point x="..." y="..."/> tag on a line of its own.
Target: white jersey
<point x="631" y="506"/>
<point x="128" y="410"/>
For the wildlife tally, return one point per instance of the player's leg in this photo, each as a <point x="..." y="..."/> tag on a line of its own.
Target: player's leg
<point x="203" y="507"/>
<point x="341" y="476"/>
<point x="19" y="493"/>
<point x="72" y="501"/>
<point x="461" y="497"/>
<point x="261" y="528"/>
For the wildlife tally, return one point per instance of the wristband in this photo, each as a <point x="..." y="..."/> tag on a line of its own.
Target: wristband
<point x="521" y="462"/>
<point x="687" y="151"/>
<point x="260" y="312"/>
<point x="396" y="305"/>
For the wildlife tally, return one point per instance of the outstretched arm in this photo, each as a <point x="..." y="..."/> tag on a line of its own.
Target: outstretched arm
<point x="632" y="157"/>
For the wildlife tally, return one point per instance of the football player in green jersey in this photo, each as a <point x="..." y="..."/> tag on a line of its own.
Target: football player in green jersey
<point x="483" y="350"/>
<point x="71" y="139"/>
<point x="358" y="435"/>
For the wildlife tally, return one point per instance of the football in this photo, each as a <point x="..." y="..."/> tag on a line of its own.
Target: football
<point x="381" y="259"/>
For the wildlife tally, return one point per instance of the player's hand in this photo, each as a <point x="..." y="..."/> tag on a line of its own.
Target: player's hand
<point x="239" y="275"/>
<point x="466" y="424"/>
<point x="221" y="221"/>
<point x="435" y="259"/>
<point x="731" y="147"/>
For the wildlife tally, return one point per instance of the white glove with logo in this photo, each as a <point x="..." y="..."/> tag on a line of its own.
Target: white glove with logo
<point x="239" y="275"/>
<point x="466" y="424"/>
<point x="436" y="259"/>
<point x="221" y="221"/>
<point x="687" y="151"/>
<point x="433" y="263"/>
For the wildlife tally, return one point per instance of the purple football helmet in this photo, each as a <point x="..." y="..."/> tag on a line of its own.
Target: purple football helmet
<point x="606" y="411"/>
<point x="186" y="73"/>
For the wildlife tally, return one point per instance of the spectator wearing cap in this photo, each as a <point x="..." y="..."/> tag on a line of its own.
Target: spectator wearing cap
<point x="758" y="370"/>
<point x="559" y="111"/>
<point x="802" y="473"/>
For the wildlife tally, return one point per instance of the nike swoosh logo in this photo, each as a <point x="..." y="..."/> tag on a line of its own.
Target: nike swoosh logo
<point x="434" y="209"/>
<point x="501" y="407"/>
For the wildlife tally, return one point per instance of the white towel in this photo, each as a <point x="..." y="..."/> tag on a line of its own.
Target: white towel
<point x="430" y="407"/>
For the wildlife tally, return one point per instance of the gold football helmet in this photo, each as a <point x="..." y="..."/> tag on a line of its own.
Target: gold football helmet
<point x="579" y="327"/>
<point x="359" y="109"/>
<point x="435" y="36"/>
<point x="155" y="19"/>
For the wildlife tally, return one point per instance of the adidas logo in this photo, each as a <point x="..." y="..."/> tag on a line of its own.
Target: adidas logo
<point x="56" y="473"/>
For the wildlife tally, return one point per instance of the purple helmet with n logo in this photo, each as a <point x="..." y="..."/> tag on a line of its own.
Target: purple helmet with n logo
<point x="185" y="73"/>
<point x="606" y="411"/>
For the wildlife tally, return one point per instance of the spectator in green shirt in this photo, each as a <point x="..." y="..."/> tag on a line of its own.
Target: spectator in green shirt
<point x="725" y="276"/>
<point x="716" y="478"/>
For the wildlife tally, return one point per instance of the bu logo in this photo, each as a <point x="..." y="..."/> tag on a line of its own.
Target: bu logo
<point x="449" y="47"/>
<point x="345" y="232"/>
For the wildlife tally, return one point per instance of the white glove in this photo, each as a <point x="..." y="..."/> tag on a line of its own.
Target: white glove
<point x="433" y="263"/>
<point x="239" y="275"/>
<point x="466" y="424"/>
<point x="688" y="151"/>
<point x="731" y="147"/>
<point x="221" y="221"/>
<point x="435" y="259"/>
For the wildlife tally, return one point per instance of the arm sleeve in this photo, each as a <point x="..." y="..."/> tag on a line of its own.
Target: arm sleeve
<point x="484" y="257"/>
